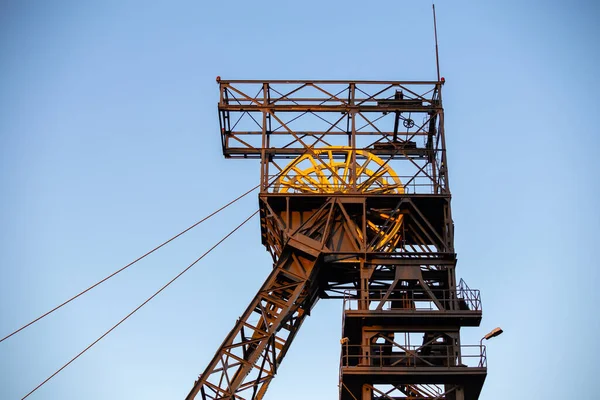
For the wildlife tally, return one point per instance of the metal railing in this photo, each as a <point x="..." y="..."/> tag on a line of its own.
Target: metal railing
<point x="415" y="300"/>
<point x="387" y="184"/>
<point x="390" y="355"/>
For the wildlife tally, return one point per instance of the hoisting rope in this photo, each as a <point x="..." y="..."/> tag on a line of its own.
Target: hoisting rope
<point x="130" y="264"/>
<point x="143" y="304"/>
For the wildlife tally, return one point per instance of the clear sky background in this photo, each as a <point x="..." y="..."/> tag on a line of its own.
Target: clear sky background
<point x="109" y="144"/>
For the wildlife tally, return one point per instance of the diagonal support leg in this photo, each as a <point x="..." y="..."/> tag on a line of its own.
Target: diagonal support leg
<point x="248" y="359"/>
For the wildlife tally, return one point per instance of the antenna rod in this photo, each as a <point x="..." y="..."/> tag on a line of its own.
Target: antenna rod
<point x="437" y="57"/>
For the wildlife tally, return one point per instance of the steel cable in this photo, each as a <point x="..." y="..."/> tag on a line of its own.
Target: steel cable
<point x="141" y="305"/>
<point x="129" y="265"/>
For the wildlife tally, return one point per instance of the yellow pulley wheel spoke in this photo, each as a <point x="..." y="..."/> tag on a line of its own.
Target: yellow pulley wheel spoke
<point x="328" y="170"/>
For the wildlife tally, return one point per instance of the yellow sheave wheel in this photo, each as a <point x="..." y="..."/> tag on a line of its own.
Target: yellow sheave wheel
<point x="327" y="170"/>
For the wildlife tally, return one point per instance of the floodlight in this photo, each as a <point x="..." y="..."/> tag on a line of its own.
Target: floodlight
<point x="493" y="333"/>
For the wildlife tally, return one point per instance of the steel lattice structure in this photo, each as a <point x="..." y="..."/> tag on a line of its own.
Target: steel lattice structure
<point x="354" y="205"/>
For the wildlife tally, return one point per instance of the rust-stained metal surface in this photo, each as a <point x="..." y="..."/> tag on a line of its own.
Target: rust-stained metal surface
<point x="355" y="205"/>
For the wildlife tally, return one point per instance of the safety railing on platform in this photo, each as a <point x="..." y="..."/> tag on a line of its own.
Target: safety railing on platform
<point x="415" y="300"/>
<point x="392" y="355"/>
<point x="328" y="183"/>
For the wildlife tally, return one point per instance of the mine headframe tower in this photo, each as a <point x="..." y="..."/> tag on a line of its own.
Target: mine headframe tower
<point x="354" y="205"/>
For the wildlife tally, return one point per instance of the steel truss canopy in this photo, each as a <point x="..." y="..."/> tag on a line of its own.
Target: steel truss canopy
<point x="398" y="121"/>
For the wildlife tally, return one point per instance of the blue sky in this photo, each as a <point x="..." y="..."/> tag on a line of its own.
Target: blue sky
<point x="109" y="144"/>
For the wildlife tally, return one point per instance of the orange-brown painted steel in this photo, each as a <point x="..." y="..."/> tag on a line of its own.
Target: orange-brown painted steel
<point x="360" y="212"/>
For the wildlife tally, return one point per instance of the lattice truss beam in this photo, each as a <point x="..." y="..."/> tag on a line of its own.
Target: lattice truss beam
<point x="248" y="359"/>
<point x="399" y="122"/>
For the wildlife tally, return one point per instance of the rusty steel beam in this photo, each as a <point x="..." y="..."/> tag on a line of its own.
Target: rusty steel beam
<point x="248" y="358"/>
